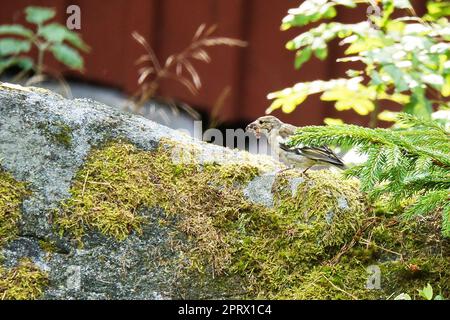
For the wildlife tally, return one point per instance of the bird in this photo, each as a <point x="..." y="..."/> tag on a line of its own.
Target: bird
<point x="302" y="157"/>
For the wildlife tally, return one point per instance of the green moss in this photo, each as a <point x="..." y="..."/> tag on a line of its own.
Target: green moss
<point x="234" y="173"/>
<point x="58" y="132"/>
<point x="325" y="209"/>
<point x="108" y="192"/>
<point x="118" y="180"/>
<point x="48" y="246"/>
<point x="308" y="224"/>
<point x="12" y="193"/>
<point x="231" y="235"/>
<point x="23" y="282"/>
<point x="63" y="135"/>
<point x="288" y="251"/>
<point x="340" y="282"/>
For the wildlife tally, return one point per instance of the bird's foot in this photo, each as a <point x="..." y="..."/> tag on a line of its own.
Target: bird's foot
<point x="304" y="172"/>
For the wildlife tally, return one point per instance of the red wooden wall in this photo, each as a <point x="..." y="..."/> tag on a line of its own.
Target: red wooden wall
<point x="250" y="73"/>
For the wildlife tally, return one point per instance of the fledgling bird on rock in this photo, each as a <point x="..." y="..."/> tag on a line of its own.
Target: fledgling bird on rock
<point x="303" y="157"/>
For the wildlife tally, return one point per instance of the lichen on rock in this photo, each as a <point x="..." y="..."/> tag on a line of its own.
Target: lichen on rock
<point x="23" y="282"/>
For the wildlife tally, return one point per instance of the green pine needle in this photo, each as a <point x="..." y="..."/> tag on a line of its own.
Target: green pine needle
<point x="408" y="165"/>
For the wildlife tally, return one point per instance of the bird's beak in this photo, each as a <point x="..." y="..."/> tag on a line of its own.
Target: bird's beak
<point x="253" y="127"/>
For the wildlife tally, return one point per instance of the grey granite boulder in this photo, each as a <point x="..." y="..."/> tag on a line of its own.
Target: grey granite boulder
<point x="44" y="141"/>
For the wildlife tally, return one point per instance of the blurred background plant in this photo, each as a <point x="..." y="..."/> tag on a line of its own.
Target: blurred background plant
<point x="177" y="67"/>
<point x="404" y="58"/>
<point x="425" y="293"/>
<point x="18" y="41"/>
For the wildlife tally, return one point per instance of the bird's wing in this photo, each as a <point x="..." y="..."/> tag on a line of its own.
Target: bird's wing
<point x="323" y="154"/>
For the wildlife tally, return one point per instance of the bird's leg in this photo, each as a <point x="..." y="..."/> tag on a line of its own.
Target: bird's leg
<point x="304" y="171"/>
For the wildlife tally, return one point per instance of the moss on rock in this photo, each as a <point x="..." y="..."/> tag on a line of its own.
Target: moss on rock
<point x="315" y="243"/>
<point x="23" y="282"/>
<point x="312" y="218"/>
<point x="270" y="247"/>
<point x="58" y="133"/>
<point x="118" y="180"/>
<point x="324" y="210"/>
<point x="404" y="253"/>
<point x="107" y="193"/>
<point x="12" y="193"/>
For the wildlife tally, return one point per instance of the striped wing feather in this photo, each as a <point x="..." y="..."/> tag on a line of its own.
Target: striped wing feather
<point x="323" y="154"/>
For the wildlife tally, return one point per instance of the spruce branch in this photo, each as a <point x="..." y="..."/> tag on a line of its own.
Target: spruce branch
<point x="407" y="165"/>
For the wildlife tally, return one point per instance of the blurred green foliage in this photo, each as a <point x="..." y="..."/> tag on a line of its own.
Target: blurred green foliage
<point x="17" y="41"/>
<point x="426" y="293"/>
<point x="404" y="57"/>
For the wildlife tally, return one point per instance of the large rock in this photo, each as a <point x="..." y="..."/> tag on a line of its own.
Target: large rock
<point x="119" y="207"/>
<point x="44" y="139"/>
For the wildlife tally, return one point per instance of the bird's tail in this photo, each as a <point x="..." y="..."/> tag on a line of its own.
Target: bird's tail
<point x="320" y="154"/>
<point x="341" y="166"/>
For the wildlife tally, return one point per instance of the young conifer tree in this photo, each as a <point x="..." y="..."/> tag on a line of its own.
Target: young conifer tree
<point x="407" y="165"/>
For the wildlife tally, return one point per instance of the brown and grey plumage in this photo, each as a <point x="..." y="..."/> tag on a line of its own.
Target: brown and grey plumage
<point x="304" y="157"/>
